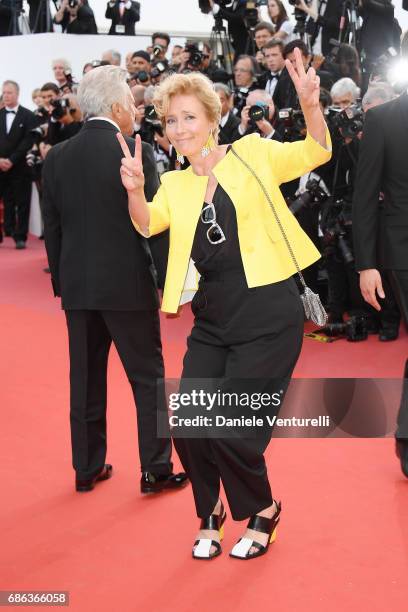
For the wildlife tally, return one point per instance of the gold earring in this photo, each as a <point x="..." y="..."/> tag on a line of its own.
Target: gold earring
<point x="208" y="147"/>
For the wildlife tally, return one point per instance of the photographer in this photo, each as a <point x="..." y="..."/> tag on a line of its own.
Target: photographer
<point x="324" y="20"/>
<point x="285" y="95"/>
<point x="275" y="64"/>
<point x="238" y="28"/>
<point x="282" y="25"/>
<point x="346" y="63"/>
<point x="76" y="17"/>
<point x="63" y="75"/>
<point x="344" y="93"/>
<point x="379" y="31"/>
<point x="140" y="68"/>
<point x="229" y="122"/>
<point x="160" y="46"/>
<point x="258" y="116"/>
<point x="124" y="16"/>
<point x="263" y="33"/>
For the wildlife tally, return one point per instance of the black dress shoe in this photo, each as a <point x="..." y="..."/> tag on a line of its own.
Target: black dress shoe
<point x="386" y="335"/>
<point x="88" y="485"/>
<point x="155" y="483"/>
<point x="401" y="448"/>
<point x="20" y="244"/>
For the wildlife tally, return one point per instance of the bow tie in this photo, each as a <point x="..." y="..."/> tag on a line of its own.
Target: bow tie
<point x="13" y="112"/>
<point x="274" y="75"/>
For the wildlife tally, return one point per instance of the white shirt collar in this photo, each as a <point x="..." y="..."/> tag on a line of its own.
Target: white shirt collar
<point x="14" y="108"/>
<point x="224" y="119"/>
<point x="105" y="119"/>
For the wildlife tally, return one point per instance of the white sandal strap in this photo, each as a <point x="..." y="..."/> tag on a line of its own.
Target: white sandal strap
<point x="242" y="547"/>
<point x="203" y="548"/>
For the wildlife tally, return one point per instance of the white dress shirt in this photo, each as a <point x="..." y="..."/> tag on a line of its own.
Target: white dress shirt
<point x="105" y="119"/>
<point x="10" y="117"/>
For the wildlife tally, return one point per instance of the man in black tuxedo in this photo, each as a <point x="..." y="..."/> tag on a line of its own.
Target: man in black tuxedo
<point x="16" y="123"/>
<point x="124" y="15"/>
<point x="229" y="122"/>
<point x="382" y="167"/>
<point x="102" y="269"/>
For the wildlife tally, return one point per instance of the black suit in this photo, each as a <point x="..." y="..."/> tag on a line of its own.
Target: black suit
<point x="15" y="184"/>
<point x="383" y="167"/>
<point x="40" y="16"/>
<point x="102" y="269"/>
<point x="285" y="95"/>
<point x="229" y="133"/>
<point x="83" y="24"/>
<point x="128" y="20"/>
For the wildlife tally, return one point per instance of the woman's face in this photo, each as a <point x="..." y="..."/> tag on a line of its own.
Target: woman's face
<point x="187" y="124"/>
<point x="273" y="8"/>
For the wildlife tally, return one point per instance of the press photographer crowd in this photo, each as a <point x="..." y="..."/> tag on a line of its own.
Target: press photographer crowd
<point x="357" y="49"/>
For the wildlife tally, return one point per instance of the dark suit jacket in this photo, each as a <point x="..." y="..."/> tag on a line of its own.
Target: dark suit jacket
<point x="130" y="17"/>
<point x="285" y="95"/>
<point x="19" y="140"/>
<point x="229" y="133"/>
<point x="96" y="257"/>
<point x="83" y="24"/>
<point x="382" y="167"/>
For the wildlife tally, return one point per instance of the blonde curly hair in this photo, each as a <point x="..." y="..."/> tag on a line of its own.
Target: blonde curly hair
<point x="195" y="84"/>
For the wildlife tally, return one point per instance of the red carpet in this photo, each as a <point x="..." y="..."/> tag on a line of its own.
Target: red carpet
<point x="343" y="540"/>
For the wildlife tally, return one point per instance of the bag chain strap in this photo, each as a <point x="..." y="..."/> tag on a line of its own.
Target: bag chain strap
<point x="302" y="280"/>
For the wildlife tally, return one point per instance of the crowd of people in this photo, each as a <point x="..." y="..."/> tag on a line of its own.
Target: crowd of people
<point x="257" y="97"/>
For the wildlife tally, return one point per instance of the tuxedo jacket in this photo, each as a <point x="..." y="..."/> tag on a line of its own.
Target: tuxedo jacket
<point x="285" y="95"/>
<point x="229" y="133"/>
<point x="97" y="259"/>
<point x="382" y="167"/>
<point x="19" y="140"/>
<point x="130" y="17"/>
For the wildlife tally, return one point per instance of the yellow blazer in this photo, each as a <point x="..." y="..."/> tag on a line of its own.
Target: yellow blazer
<point x="178" y="202"/>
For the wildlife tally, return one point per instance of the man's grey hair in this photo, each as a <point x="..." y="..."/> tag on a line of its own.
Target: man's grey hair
<point x="100" y="89"/>
<point x="115" y="56"/>
<point x="13" y="84"/>
<point x="222" y="87"/>
<point x="261" y="95"/>
<point x="149" y="94"/>
<point x="64" y="62"/>
<point x="343" y="87"/>
<point x="383" y="92"/>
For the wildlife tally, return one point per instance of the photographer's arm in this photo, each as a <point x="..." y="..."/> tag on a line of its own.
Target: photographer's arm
<point x="309" y="10"/>
<point x="60" y="14"/>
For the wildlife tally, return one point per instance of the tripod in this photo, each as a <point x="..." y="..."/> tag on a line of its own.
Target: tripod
<point x="221" y="47"/>
<point x="349" y="33"/>
<point x="16" y="7"/>
<point x="42" y="21"/>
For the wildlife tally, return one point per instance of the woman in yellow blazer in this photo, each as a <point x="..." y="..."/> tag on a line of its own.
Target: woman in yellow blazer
<point x="248" y="313"/>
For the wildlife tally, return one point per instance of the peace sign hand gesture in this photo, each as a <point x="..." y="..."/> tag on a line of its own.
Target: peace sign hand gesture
<point x="131" y="171"/>
<point x="307" y="84"/>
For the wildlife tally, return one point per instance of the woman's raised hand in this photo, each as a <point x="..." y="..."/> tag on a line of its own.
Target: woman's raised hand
<point x="307" y="84"/>
<point x="131" y="171"/>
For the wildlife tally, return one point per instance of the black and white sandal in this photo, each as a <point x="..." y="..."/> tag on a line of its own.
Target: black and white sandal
<point x="263" y="525"/>
<point x="202" y="547"/>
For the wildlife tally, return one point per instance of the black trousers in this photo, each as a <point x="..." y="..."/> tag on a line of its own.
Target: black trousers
<point x="136" y="335"/>
<point x="399" y="281"/>
<point x="238" y="334"/>
<point x="15" y="189"/>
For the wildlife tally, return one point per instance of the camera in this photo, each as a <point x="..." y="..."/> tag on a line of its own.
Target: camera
<point x="240" y="98"/>
<point x="157" y="50"/>
<point x="61" y="107"/>
<point x="335" y="220"/>
<point x="349" y="121"/>
<point x="157" y="70"/>
<point x="257" y="112"/>
<point x="205" y="6"/>
<point x="355" y="329"/>
<point x="73" y="3"/>
<point x="142" y="76"/>
<point x="195" y="55"/>
<point x="293" y="121"/>
<point x="152" y="119"/>
<point x="313" y="195"/>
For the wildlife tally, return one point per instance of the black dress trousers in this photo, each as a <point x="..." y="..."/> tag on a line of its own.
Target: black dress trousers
<point x="238" y="333"/>
<point x="136" y="336"/>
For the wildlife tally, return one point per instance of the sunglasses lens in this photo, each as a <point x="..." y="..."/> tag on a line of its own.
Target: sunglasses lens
<point x="214" y="234"/>
<point x="208" y="215"/>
